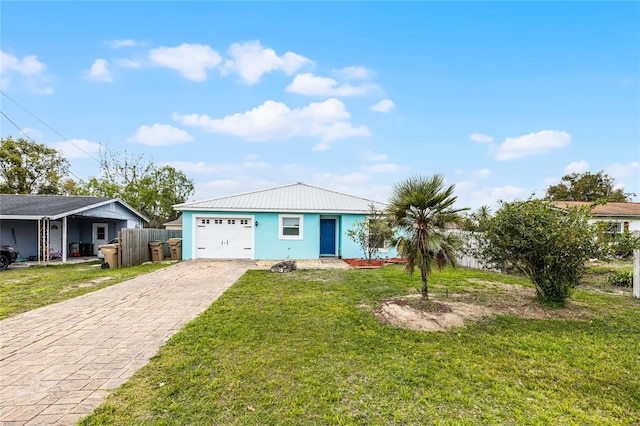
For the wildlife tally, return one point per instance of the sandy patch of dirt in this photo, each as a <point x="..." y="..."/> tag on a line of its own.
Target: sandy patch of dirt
<point x="91" y="283"/>
<point x="439" y="314"/>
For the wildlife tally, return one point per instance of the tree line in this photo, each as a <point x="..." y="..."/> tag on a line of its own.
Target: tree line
<point x="548" y="244"/>
<point x="28" y="167"/>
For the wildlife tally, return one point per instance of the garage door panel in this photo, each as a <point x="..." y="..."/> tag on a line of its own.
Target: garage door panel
<point x="224" y="238"/>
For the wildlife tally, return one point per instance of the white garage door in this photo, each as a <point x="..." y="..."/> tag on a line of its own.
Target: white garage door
<point x="224" y="238"/>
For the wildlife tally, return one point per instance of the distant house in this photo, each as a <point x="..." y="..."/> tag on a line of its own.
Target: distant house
<point x="175" y="224"/>
<point x="298" y="220"/>
<point x="55" y="226"/>
<point x="619" y="217"/>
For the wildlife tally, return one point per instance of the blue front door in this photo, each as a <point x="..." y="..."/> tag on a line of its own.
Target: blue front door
<point x="327" y="237"/>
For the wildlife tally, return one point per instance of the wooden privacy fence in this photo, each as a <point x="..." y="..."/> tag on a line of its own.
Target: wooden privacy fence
<point x="134" y="244"/>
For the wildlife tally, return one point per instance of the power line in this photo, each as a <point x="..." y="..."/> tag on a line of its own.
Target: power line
<point x="16" y="126"/>
<point x="44" y="124"/>
<point x="29" y="137"/>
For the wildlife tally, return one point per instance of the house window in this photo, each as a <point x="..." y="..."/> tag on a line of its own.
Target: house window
<point x="380" y="245"/>
<point x="611" y="227"/>
<point x="291" y="227"/>
<point x="112" y="207"/>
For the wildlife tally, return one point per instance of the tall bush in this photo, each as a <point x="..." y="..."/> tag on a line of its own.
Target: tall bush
<point x="548" y="245"/>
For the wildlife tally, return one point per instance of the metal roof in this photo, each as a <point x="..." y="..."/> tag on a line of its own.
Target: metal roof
<point x="20" y="206"/>
<point x="297" y="197"/>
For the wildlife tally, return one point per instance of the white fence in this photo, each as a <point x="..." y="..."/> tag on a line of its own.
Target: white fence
<point x="636" y="274"/>
<point x="465" y="258"/>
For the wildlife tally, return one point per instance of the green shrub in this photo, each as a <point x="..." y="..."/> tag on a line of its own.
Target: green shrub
<point x="621" y="279"/>
<point x="624" y="243"/>
<point x="548" y="245"/>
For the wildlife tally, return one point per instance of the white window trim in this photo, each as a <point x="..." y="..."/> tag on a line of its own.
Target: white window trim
<point x="281" y="218"/>
<point x="385" y="248"/>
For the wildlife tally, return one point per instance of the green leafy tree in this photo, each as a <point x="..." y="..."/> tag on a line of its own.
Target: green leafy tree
<point x="421" y="210"/>
<point x="477" y="220"/>
<point x="548" y="245"/>
<point x="150" y="189"/>
<point x="28" y="167"/>
<point x="371" y="234"/>
<point x="614" y="244"/>
<point x="587" y="187"/>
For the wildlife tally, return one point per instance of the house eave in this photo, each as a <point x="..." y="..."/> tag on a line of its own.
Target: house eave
<point x="100" y="204"/>
<point x="263" y="210"/>
<point x="20" y="217"/>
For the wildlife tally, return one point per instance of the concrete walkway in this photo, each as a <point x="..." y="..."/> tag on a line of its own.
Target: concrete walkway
<point x="58" y="362"/>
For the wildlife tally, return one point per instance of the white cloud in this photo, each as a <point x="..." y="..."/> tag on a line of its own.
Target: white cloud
<point x="488" y="196"/>
<point x="32" y="133"/>
<point x="160" y="135"/>
<point x="77" y="148"/>
<point x="372" y="156"/>
<point x="191" y="60"/>
<point x="29" y="68"/>
<point x="251" y="60"/>
<point x="118" y="44"/>
<point x="128" y="63"/>
<point x="327" y="120"/>
<point x="481" y="174"/>
<point x="100" y="71"/>
<point x="621" y="171"/>
<point x="357" y="184"/>
<point x="479" y="137"/>
<point x="312" y="85"/>
<point x="385" y="168"/>
<point x="384" y="105"/>
<point x="28" y="65"/>
<point x="354" y="73"/>
<point x="332" y="180"/>
<point x="226" y="168"/>
<point x="531" y="144"/>
<point x="465" y="185"/>
<point x="576" y="167"/>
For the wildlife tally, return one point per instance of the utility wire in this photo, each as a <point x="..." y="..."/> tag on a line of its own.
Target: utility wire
<point x="31" y="139"/>
<point x="45" y="124"/>
<point x="16" y="126"/>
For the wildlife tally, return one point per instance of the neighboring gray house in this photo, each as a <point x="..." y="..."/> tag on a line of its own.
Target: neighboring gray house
<point x="56" y="226"/>
<point x="299" y="221"/>
<point x="175" y="225"/>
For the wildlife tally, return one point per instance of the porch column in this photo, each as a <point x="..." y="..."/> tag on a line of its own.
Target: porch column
<point x="65" y="247"/>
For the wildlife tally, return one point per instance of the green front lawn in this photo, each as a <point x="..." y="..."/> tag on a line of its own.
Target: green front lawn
<point x="305" y="348"/>
<point x="24" y="289"/>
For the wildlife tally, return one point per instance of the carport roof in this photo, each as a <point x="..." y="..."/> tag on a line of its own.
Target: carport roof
<point x="297" y="197"/>
<point x="19" y="206"/>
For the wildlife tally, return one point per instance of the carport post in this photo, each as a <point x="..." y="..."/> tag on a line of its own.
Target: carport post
<point x="64" y="240"/>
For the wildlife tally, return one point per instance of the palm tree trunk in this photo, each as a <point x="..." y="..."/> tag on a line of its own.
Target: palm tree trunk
<point x="425" y="292"/>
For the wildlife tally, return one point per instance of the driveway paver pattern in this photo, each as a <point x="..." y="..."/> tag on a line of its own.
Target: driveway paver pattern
<point x="57" y="363"/>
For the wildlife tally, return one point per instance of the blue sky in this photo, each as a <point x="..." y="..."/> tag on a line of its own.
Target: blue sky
<point x="501" y="98"/>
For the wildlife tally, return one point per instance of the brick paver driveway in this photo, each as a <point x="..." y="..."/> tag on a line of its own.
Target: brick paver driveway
<point x="57" y="362"/>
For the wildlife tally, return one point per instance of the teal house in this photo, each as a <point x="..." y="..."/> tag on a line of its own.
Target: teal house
<point x="298" y="221"/>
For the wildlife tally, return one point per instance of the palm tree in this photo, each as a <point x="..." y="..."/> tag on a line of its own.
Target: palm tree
<point x="421" y="209"/>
